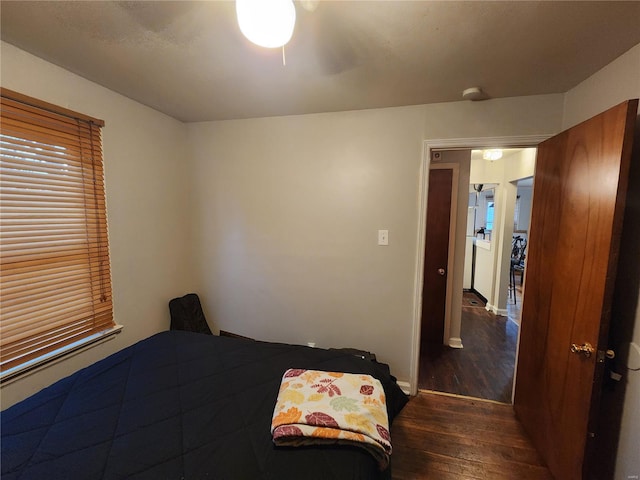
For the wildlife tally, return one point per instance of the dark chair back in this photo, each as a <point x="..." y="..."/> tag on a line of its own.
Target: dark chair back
<point x="186" y="314"/>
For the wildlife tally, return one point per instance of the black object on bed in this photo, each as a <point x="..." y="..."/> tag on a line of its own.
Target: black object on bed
<point x="180" y="405"/>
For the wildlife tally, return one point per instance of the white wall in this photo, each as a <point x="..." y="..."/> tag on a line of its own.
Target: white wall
<point x="147" y="205"/>
<point x="288" y="208"/>
<point x="524" y="217"/>
<point x="615" y="83"/>
<point x="619" y="81"/>
<point x="521" y="165"/>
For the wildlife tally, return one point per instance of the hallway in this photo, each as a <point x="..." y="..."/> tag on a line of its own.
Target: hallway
<point x="484" y="367"/>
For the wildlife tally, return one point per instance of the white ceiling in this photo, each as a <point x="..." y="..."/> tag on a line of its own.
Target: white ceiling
<point x="189" y="59"/>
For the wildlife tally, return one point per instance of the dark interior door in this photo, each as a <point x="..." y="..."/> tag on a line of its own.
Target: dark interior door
<point x="578" y="203"/>
<point x="436" y="255"/>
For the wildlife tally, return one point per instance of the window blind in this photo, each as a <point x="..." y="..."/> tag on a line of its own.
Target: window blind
<point x="55" y="284"/>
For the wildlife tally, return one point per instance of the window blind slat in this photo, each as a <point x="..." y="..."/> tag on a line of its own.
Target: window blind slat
<point x="42" y="289"/>
<point x="20" y="350"/>
<point x="43" y="256"/>
<point x="61" y="135"/>
<point x="31" y="165"/>
<point x="25" y="278"/>
<point x="56" y="282"/>
<point x="22" y="289"/>
<point x="48" y="266"/>
<point x="30" y="159"/>
<point x="55" y="308"/>
<point x="13" y="231"/>
<point x="49" y="182"/>
<point x="81" y="314"/>
<point x="24" y="351"/>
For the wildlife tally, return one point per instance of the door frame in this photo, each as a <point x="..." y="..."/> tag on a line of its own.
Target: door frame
<point x="429" y="146"/>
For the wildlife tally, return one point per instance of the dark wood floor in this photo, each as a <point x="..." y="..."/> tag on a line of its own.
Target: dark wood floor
<point x="484" y="367"/>
<point x="444" y="438"/>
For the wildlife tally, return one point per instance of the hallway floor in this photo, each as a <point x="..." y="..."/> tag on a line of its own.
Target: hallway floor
<point x="484" y="367"/>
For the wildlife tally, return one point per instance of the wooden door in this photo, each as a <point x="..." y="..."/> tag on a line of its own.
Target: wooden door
<point x="578" y="202"/>
<point x="436" y="255"/>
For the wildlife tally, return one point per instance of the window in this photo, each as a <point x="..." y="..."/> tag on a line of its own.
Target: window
<point x="490" y="213"/>
<point x="56" y="282"/>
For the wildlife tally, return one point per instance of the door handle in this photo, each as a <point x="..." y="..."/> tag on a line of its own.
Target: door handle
<point x="441" y="272"/>
<point x="585" y="349"/>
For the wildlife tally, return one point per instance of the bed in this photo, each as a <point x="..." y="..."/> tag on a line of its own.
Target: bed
<point x="181" y="405"/>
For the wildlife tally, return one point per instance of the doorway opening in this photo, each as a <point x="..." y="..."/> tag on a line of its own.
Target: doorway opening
<point x="476" y="355"/>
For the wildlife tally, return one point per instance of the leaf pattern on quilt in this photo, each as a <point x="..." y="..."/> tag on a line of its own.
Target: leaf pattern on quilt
<point x="326" y="386"/>
<point x="377" y="413"/>
<point x="290" y="416"/>
<point x="342" y="407"/>
<point x="310" y="376"/>
<point x="321" y="419"/>
<point x="344" y="403"/>
<point x="283" y="386"/>
<point x="366" y="389"/>
<point x="292" y="396"/>
<point x="287" y="431"/>
<point x="324" y="432"/>
<point x="384" y="433"/>
<point x="358" y="422"/>
<point x="315" y="397"/>
<point x="356" y="437"/>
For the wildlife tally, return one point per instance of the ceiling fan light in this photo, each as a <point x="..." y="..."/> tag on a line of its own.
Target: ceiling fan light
<point x="267" y="23"/>
<point x="492" y="155"/>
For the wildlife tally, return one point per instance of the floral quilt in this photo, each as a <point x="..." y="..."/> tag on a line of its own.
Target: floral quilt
<point x="316" y="407"/>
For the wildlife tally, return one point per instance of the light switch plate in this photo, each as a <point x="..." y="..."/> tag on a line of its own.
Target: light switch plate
<point x="383" y="237"/>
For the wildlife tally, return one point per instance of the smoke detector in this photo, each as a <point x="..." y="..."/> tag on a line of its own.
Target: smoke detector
<point x="474" y="94"/>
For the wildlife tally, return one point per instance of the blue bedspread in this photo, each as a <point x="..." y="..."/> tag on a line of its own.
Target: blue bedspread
<point x="179" y="405"/>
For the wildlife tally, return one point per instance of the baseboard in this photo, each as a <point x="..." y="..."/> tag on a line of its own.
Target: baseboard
<point x="405" y="387"/>
<point x="455" y="342"/>
<point x="503" y="312"/>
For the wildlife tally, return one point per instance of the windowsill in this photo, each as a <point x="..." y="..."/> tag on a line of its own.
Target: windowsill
<point x="76" y="347"/>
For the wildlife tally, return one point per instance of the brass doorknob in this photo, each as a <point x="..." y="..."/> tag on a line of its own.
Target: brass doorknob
<point x="441" y="271"/>
<point x="585" y="349"/>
